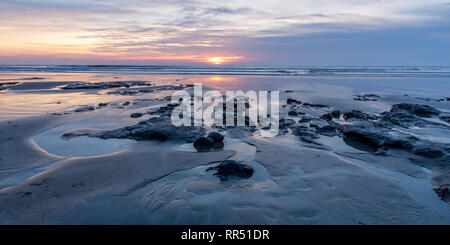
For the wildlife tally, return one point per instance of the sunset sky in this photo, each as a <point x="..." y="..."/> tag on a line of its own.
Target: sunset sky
<point x="311" y="32"/>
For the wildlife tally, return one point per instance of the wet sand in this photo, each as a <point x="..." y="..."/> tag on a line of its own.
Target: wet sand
<point x="46" y="179"/>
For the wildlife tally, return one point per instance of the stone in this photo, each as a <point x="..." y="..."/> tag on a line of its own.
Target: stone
<point x="203" y="144"/>
<point x="293" y="113"/>
<point x="335" y="114"/>
<point x="315" y="105"/>
<point x="355" y="114"/>
<point x="293" y="101"/>
<point x="216" y="137"/>
<point x="327" y="117"/>
<point x="416" y="109"/>
<point x="231" y="169"/>
<point x="136" y="115"/>
<point x="84" y="109"/>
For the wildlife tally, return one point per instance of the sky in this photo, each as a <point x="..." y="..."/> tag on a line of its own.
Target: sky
<point x="228" y="33"/>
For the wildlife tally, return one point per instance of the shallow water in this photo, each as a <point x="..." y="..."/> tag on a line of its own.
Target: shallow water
<point x="82" y="146"/>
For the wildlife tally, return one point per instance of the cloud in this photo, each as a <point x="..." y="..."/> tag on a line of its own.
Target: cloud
<point x="199" y="27"/>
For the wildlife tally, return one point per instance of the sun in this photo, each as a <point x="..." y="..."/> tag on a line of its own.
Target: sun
<point x="216" y="60"/>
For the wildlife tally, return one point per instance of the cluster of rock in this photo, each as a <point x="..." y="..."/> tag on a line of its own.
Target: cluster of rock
<point x="106" y="85"/>
<point x="135" y="91"/>
<point x="7" y="84"/>
<point x="366" y="97"/>
<point x="155" y="128"/>
<point x="230" y="169"/>
<point x="443" y="193"/>
<point x="375" y="132"/>
<point x="378" y="131"/>
<point x="214" y="141"/>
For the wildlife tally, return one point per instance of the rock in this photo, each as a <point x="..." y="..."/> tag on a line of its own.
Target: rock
<point x="358" y="115"/>
<point x="366" y="97"/>
<point x="443" y="193"/>
<point x="293" y="113"/>
<point x="288" y="91"/>
<point x="416" y="109"/>
<point x="335" y="114"/>
<point x="155" y="128"/>
<point x="375" y="137"/>
<point x="84" y="109"/>
<point x="136" y="115"/>
<point x="146" y="91"/>
<point x="231" y="169"/>
<point x="105" y="85"/>
<point x="428" y="150"/>
<point x="203" y="144"/>
<point x="126" y="103"/>
<point x="330" y="130"/>
<point x="305" y="120"/>
<point x="124" y="92"/>
<point x="164" y="110"/>
<point x="7" y="84"/>
<point x="216" y="137"/>
<point x="305" y="134"/>
<point x="293" y="101"/>
<point x="283" y="125"/>
<point x="315" y="105"/>
<point x="326" y="117"/>
<point x="102" y="104"/>
<point x="218" y="145"/>
<point x="445" y="118"/>
<point x="405" y="119"/>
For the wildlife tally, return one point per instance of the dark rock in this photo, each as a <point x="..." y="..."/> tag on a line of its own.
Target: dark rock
<point x="445" y="118"/>
<point x="124" y="92"/>
<point x="305" y="134"/>
<point x="146" y="90"/>
<point x="428" y="150"/>
<point x="218" y="145"/>
<point x="330" y="130"/>
<point x="358" y="115"/>
<point x="155" y="128"/>
<point x="366" y="97"/>
<point x="105" y="85"/>
<point x="416" y="109"/>
<point x="293" y="113"/>
<point x="136" y="115"/>
<point x="164" y="110"/>
<point x="405" y="119"/>
<point x="231" y="169"/>
<point x="315" y="105"/>
<point x="203" y="144"/>
<point x="293" y="101"/>
<point x="305" y="120"/>
<point x="102" y="104"/>
<point x="216" y="137"/>
<point x="326" y="117"/>
<point x="335" y="114"/>
<point x="375" y="137"/>
<point x="84" y="109"/>
<point x="284" y="124"/>
<point x="443" y="193"/>
<point x="288" y="91"/>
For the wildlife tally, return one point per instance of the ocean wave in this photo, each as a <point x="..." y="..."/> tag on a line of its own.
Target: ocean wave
<point x="274" y="71"/>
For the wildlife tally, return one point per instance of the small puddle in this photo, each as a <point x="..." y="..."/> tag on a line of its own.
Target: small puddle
<point x="82" y="146"/>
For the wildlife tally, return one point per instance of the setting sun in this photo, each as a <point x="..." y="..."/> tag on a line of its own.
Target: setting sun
<point x="221" y="59"/>
<point x="216" y="60"/>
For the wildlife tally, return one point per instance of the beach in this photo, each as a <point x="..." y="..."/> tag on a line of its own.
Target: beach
<point x="95" y="145"/>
